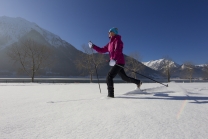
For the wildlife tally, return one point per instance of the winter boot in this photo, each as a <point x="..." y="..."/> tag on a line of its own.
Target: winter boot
<point x="139" y="85"/>
<point x="111" y="94"/>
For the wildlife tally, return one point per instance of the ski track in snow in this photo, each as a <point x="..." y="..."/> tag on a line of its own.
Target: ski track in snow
<point x="69" y="111"/>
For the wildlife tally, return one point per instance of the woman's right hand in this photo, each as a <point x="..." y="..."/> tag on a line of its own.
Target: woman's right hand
<point x="90" y="44"/>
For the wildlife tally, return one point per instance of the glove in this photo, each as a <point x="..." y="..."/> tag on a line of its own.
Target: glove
<point x="112" y="62"/>
<point x="90" y="44"/>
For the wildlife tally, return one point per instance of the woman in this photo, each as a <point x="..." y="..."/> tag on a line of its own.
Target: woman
<point x="115" y="49"/>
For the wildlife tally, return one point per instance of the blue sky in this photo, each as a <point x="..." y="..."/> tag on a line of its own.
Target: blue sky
<point x="153" y="28"/>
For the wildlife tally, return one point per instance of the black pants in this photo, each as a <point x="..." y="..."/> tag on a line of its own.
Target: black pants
<point x="120" y="71"/>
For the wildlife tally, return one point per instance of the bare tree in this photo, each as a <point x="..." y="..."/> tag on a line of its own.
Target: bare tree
<point x="133" y="63"/>
<point x="87" y="62"/>
<point x="188" y="70"/>
<point x="205" y="71"/>
<point x="167" y="68"/>
<point x="31" y="56"/>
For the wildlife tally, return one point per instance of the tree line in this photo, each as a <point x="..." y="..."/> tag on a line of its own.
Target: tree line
<point x="33" y="57"/>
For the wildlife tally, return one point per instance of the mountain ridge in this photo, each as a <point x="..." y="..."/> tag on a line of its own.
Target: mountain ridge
<point x="12" y="29"/>
<point x="158" y="64"/>
<point x="175" y="69"/>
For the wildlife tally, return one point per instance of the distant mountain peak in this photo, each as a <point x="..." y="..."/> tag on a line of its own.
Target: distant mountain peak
<point x="13" y="29"/>
<point x="159" y="64"/>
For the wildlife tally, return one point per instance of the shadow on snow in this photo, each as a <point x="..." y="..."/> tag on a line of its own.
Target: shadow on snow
<point x="165" y="96"/>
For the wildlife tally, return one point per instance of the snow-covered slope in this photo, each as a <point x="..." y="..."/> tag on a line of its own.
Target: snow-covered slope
<point x="159" y="64"/>
<point x="12" y="29"/>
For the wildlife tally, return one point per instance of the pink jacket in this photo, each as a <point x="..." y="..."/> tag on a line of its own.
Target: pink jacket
<point x="115" y="48"/>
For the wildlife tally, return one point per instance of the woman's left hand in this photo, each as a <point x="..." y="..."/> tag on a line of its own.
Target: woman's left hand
<point x="112" y="62"/>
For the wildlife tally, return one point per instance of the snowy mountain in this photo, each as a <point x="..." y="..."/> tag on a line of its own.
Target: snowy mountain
<point x="13" y="29"/>
<point x="159" y="64"/>
<point x="202" y="65"/>
<point x="176" y="69"/>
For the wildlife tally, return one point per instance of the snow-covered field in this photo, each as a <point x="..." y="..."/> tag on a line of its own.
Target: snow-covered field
<point x="79" y="111"/>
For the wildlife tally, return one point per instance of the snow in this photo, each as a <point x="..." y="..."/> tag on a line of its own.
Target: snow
<point x="202" y="65"/>
<point x="68" y="111"/>
<point x="158" y="64"/>
<point x="12" y="29"/>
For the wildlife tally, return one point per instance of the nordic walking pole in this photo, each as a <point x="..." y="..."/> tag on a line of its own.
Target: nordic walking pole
<point x="96" y="70"/>
<point x="143" y="75"/>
